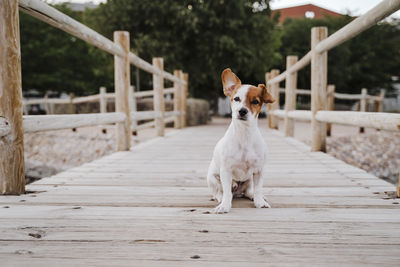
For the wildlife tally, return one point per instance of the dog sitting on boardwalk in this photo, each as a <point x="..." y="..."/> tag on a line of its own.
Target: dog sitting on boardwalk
<point x="237" y="165"/>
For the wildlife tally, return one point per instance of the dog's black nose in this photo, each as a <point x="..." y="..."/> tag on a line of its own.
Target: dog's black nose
<point x="243" y="112"/>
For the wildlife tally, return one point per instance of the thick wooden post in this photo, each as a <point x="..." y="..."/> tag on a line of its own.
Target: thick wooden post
<point x="159" y="106"/>
<point x="290" y="95"/>
<point x="122" y="80"/>
<point x="177" y="100"/>
<point x="319" y="73"/>
<point x="363" y="104"/>
<point x="185" y="98"/>
<point x="331" y="106"/>
<point x="12" y="175"/>
<point x="275" y="95"/>
<point x="132" y="108"/>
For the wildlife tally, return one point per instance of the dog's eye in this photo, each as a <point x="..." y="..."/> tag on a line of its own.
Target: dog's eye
<point x="254" y="102"/>
<point x="237" y="99"/>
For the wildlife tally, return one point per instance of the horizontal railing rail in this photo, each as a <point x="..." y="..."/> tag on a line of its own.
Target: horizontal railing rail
<point x="343" y="96"/>
<point x="40" y="123"/>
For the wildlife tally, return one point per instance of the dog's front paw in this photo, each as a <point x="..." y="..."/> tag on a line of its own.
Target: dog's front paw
<point x="221" y="208"/>
<point x="261" y="203"/>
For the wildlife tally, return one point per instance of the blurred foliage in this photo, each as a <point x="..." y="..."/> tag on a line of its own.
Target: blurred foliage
<point x="55" y="60"/>
<point x="201" y="37"/>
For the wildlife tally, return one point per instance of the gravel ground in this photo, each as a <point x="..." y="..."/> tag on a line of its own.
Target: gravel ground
<point x="377" y="153"/>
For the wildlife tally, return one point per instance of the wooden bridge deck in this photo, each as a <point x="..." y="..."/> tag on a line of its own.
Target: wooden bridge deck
<point x="150" y="206"/>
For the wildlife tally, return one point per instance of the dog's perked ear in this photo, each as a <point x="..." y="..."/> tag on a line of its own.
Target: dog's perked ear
<point x="229" y="81"/>
<point x="266" y="96"/>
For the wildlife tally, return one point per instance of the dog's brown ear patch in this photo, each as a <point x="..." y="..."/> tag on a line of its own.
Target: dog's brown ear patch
<point x="266" y="96"/>
<point x="229" y="81"/>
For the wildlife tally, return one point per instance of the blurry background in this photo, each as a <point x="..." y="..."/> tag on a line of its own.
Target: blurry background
<point x="204" y="37"/>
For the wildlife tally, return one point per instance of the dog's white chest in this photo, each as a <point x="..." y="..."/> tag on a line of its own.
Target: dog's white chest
<point x="244" y="162"/>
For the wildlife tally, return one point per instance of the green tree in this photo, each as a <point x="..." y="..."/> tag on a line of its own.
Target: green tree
<point x="55" y="60"/>
<point x="202" y="37"/>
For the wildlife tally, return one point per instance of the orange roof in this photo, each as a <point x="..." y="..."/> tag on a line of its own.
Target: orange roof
<point x="300" y="12"/>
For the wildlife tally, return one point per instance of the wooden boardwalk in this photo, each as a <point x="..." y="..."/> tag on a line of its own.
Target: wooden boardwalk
<point x="151" y="206"/>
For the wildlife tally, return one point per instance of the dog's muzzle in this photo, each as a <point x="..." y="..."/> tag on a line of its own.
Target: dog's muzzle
<point x="243" y="114"/>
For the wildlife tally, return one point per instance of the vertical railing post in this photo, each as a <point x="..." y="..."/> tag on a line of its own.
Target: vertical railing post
<point x="12" y="175"/>
<point x="275" y="95"/>
<point x="103" y="100"/>
<point x="132" y="108"/>
<point x="159" y="106"/>
<point x="331" y="106"/>
<point x="319" y="73"/>
<point x="269" y="105"/>
<point x="25" y="106"/>
<point x="363" y="104"/>
<point x="177" y="100"/>
<point x="103" y="103"/>
<point x="290" y="95"/>
<point x="185" y="98"/>
<point x="71" y="106"/>
<point x="122" y="80"/>
<point x="46" y="103"/>
<point x="381" y="101"/>
<point x="181" y="99"/>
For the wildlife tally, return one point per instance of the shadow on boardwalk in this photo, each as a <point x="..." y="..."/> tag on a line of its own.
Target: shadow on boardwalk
<point x="150" y="206"/>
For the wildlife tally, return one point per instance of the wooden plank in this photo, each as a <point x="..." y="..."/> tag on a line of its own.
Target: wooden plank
<point x="274" y="254"/>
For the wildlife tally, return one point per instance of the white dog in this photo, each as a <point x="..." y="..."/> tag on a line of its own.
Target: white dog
<point x="239" y="157"/>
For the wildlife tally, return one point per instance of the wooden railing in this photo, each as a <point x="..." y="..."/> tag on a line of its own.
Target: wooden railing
<point x="322" y="95"/>
<point x="103" y="98"/>
<point x="364" y="103"/>
<point x="12" y="122"/>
